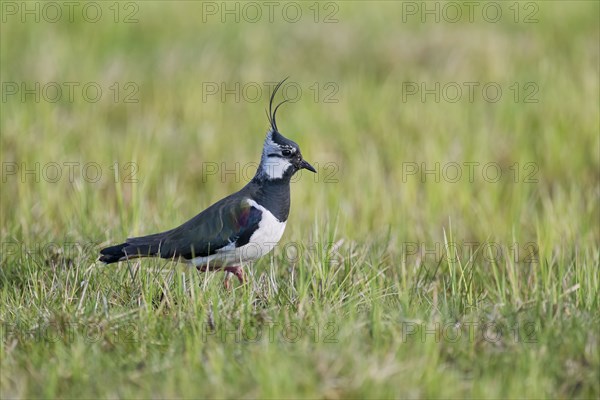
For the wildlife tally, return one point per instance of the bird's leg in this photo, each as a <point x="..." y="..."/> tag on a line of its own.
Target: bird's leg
<point x="237" y="271"/>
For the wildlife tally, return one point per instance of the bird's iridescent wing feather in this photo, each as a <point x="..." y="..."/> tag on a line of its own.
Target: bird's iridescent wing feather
<point x="221" y="224"/>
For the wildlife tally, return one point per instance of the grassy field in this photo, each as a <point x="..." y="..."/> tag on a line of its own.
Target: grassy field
<point x="448" y="246"/>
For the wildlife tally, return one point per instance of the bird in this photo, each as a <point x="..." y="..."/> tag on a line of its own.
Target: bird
<point x="238" y="229"/>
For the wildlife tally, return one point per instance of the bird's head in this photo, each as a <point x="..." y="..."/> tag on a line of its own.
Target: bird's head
<point x="281" y="157"/>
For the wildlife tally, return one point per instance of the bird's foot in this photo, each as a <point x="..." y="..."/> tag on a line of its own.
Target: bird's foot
<point x="236" y="271"/>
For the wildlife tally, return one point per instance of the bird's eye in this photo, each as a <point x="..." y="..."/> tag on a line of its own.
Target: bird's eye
<point x="286" y="153"/>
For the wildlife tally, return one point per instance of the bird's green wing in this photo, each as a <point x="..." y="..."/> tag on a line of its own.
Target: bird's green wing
<point x="231" y="220"/>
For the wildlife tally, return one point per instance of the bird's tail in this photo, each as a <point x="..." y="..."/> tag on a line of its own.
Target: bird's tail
<point x="113" y="254"/>
<point x="145" y="246"/>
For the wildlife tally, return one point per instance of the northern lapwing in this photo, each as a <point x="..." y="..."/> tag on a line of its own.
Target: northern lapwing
<point x="238" y="229"/>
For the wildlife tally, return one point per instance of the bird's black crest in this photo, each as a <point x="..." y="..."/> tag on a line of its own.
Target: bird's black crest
<point x="272" y="112"/>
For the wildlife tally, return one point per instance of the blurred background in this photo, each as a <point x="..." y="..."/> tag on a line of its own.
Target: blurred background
<point x="497" y="101"/>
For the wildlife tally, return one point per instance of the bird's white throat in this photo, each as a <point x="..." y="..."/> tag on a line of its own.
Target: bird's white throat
<point x="274" y="167"/>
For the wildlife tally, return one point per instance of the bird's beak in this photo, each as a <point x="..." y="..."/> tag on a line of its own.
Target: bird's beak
<point x="305" y="165"/>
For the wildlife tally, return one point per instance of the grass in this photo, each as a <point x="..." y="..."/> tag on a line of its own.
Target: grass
<point x="389" y="281"/>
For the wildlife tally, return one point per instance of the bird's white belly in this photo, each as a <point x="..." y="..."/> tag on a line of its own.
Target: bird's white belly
<point x="262" y="241"/>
